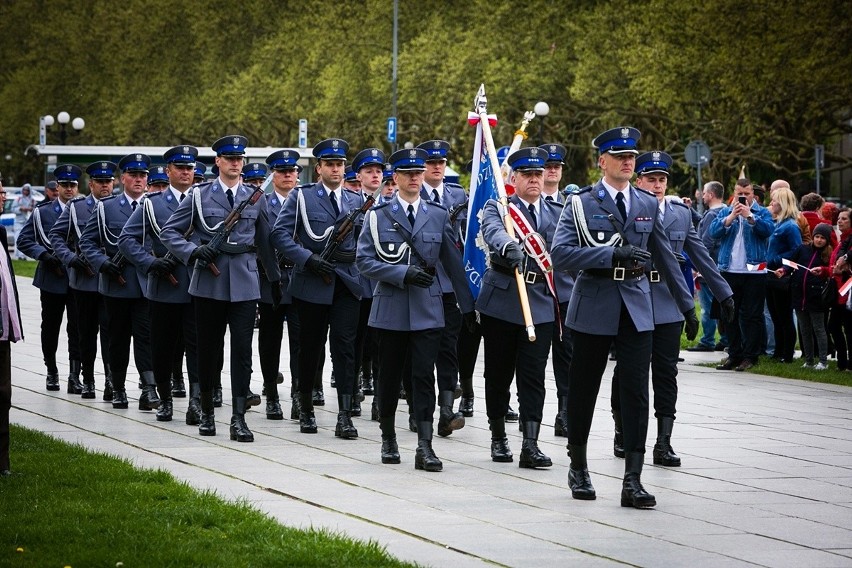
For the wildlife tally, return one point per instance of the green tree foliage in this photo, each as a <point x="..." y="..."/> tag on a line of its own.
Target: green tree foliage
<point x="761" y="82"/>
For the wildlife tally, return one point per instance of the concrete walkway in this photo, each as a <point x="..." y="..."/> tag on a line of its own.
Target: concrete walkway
<point x="766" y="477"/>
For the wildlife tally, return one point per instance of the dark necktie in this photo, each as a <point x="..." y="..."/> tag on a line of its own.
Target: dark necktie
<point x="133" y="205"/>
<point x="619" y="202"/>
<point x="435" y="196"/>
<point x="411" y="214"/>
<point x="230" y="195"/>
<point x="531" y="208"/>
<point x="182" y="195"/>
<point x="334" y="203"/>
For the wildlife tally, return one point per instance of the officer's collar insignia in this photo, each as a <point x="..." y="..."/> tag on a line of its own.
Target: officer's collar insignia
<point x="601" y="193"/>
<point x="169" y="197"/>
<point x="320" y="192"/>
<point x="395" y="207"/>
<point x="275" y="201"/>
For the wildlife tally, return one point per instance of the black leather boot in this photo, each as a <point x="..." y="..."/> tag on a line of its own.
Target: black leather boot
<point x="107" y="382"/>
<point x="618" y="439"/>
<point x="239" y="429"/>
<point x="74" y="384"/>
<point x="374" y="411"/>
<point x="579" y="479"/>
<point x="466" y="402"/>
<point x="333" y="381"/>
<point x="217" y="392"/>
<point x="664" y="454"/>
<point x="367" y="377"/>
<point x="632" y="492"/>
<point x="318" y="397"/>
<point x="207" y="427"/>
<point x="500" y="451"/>
<point x="560" y="427"/>
<point x="294" y="402"/>
<point x="307" y="420"/>
<point x="511" y="415"/>
<point x="178" y="385"/>
<point x="164" y="412"/>
<point x="448" y="421"/>
<point x="345" y="429"/>
<point x="149" y="400"/>
<point x="424" y="457"/>
<point x="88" y="383"/>
<point x="273" y="405"/>
<point x="531" y="456"/>
<point x="390" y="450"/>
<point x="412" y="423"/>
<point x="119" y="395"/>
<point x="252" y="399"/>
<point x="193" y="411"/>
<point x="51" y="380"/>
<point x="356" y="404"/>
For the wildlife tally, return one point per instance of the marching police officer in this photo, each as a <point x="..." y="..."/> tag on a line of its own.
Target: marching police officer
<point x="368" y="166"/>
<point x="652" y="170"/>
<point x="326" y="291"/>
<point x="167" y="287"/>
<point x="562" y="348"/>
<point x="276" y="305"/>
<point x="158" y="178"/>
<point x="121" y="283"/>
<point x="82" y="279"/>
<point x="198" y="173"/>
<point x="224" y="280"/>
<point x="399" y="247"/>
<point x="508" y="350"/>
<point x="608" y="231"/>
<point x="450" y="196"/>
<point x="51" y="279"/>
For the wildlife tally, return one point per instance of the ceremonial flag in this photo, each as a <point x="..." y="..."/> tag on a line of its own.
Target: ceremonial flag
<point x="482" y="188"/>
<point x="843" y="290"/>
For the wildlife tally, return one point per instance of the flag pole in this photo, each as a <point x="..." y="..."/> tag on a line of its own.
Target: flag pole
<point x="520" y="136"/>
<point x="479" y="105"/>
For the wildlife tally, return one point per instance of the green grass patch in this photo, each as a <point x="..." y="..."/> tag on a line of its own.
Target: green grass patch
<point x="24" y="267"/>
<point x="794" y="370"/>
<point x="66" y="506"/>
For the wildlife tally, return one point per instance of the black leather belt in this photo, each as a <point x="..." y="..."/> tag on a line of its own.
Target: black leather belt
<point x="530" y="277"/>
<point x="343" y="257"/>
<point x="616" y="273"/>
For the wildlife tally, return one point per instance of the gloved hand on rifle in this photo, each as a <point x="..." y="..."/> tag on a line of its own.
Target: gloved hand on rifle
<point x="728" y="309"/>
<point x="416" y="276"/>
<point x="317" y="265"/>
<point x="630" y="252"/>
<point x="690" y="325"/>
<point x="681" y="260"/>
<point x="110" y="268"/>
<point x="204" y="253"/>
<point x="77" y="263"/>
<point x="50" y="260"/>
<point x="514" y="255"/>
<point x="162" y="266"/>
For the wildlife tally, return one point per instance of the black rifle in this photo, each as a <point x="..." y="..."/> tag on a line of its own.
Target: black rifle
<point x="340" y="233"/>
<point x="455" y="211"/>
<point x="120" y="261"/>
<point x="220" y="237"/>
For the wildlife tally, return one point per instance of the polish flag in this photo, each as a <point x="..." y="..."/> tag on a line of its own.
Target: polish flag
<point x="756" y="267"/>
<point x="791" y="264"/>
<point x="843" y="290"/>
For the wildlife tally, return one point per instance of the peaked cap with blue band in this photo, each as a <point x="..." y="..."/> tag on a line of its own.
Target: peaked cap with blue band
<point x="134" y="163"/>
<point x="331" y="149"/>
<point x="655" y="162"/>
<point x="527" y="159"/>
<point x="284" y="160"/>
<point x="409" y="160"/>
<point x="181" y="155"/>
<point x="436" y="149"/>
<point x="100" y="170"/>
<point x="367" y="157"/>
<point x="232" y="145"/>
<point x="555" y="153"/>
<point x="157" y="174"/>
<point x="70" y="172"/>
<point x="619" y="140"/>
<point x="255" y="170"/>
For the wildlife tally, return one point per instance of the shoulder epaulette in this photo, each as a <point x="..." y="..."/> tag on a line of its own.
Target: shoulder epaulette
<point x="44" y="202"/>
<point x="645" y="191"/>
<point x="303" y="186"/>
<point x="77" y="198"/>
<point x="553" y="203"/>
<point x="202" y="184"/>
<point x="681" y="203"/>
<point x="108" y="197"/>
<point x="154" y="193"/>
<point x="453" y="184"/>
<point x="380" y="205"/>
<point x="586" y="189"/>
<point x="438" y="205"/>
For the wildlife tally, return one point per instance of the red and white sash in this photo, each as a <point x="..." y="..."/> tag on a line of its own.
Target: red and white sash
<point x="535" y="246"/>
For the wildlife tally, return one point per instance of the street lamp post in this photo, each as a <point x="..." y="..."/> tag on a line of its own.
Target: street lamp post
<point x="63" y="118"/>
<point x="541" y="109"/>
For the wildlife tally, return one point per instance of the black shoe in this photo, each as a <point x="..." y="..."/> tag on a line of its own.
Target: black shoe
<point x="164" y="413"/>
<point x="307" y="420"/>
<point x="618" y="438"/>
<point x="531" y="456"/>
<point x="178" y="387"/>
<point x="318" y="397"/>
<point x="664" y="454"/>
<point x="119" y="398"/>
<point x="333" y="381"/>
<point x="425" y="458"/>
<point x="356" y="407"/>
<point x="252" y="399"/>
<point x="457" y="392"/>
<point x="207" y="426"/>
<point x="412" y="424"/>
<point x="727" y="365"/>
<point x="511" y="415"/>
<point x="74" y="385"/>
<point x="719" y="347"/>
<point x="367" y="383"/>
<point x="632" y="492"/>
<point x="193" y="412"/>
<point x="390" y="451"/>
<point x="107" y="390"/>
<point x="448" y="421"/>
<point x="239" y="429"/>
<point x="294" y="406"/>
<point x="149" y="400"/>
<point x="701" y="348"/>
<point x="273" y="410"/>
<point x="579" y="479"/>
<point x="88" y="389"/>
<point x="745" y="365"/>
<point x="500" y="451"/>
<point x="52" y="381"/>
<point x="344" y="428"/>
<point x="560" y="425"/>
<point x="217" y="397"/>
<point x="466" y="405"/>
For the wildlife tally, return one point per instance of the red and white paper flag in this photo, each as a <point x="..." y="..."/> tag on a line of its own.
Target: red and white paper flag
<point x="791" y="264"/>
<point x="843" y="290"/>
<point x="756" y="267"/>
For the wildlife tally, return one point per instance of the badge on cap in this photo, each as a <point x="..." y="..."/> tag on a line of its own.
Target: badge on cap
<point x="236" y="140"/>
<point x="412" y="154"/>
<point x="552" y="148"/>
<point x="374" y="153"/>
<point x="103" y="165"/>
<point x="186" y="149"/>
<point x="656" y="156"/>
<point x="139" y="157"/>
<point x="436" y="144"/>
<point x="534" y="152"/>
<point x="335" y="144"/>
<point x="625" y="132"/>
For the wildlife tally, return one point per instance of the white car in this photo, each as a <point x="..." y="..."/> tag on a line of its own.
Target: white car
<point x="7" y="218"/>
